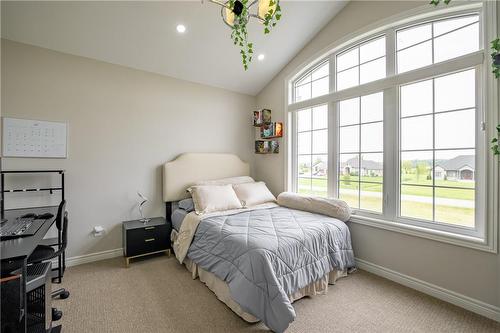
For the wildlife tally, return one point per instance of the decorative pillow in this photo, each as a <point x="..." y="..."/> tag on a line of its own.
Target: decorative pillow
<point x="251" y="194"/>
<point x="187" y="204"/>
<point x="326" y="206"/>
<point x="214" y="198"/>
<point x="224" y="181"/>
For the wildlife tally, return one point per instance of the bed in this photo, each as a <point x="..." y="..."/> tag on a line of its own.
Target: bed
<point x="257" y="260"/>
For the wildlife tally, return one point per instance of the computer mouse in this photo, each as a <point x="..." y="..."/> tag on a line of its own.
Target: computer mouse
<point x="45" y="216"/>
<point x="26" y="216"/>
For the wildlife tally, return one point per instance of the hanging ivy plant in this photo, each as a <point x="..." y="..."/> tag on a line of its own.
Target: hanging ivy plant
<point x="495" y="57"/>
<point x="239" y="33"/>
<point x="272" y="16"/>
<point x="436" y="2"/>
<point x="494" y="146"/>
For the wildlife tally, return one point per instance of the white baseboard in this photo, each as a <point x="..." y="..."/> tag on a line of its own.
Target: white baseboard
<point x="91" y="257"/>
<point x="466" y="302"/>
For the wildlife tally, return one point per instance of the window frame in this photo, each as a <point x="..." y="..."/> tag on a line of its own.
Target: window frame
<point x="486" y="194"/>
<point x="358" y="45"/>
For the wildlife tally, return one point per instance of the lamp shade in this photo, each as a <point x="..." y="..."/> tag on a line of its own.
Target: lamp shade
<point x="264" y="7"/>
<point x="229" y="16"/>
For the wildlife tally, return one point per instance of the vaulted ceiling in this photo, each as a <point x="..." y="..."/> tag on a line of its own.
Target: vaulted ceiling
<point x="143" y="35"/>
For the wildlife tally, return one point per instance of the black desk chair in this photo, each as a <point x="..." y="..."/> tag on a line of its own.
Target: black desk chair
<point x="46" y="252"/>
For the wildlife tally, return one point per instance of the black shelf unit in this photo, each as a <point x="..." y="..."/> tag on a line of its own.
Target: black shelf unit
<point x="62" y="258"/>
<point x="49" y="189"/>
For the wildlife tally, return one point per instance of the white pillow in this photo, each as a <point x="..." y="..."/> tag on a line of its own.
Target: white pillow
<point x="214" y="198"/>
<point x="224" y="181"/>
<point x="251" y="194"/>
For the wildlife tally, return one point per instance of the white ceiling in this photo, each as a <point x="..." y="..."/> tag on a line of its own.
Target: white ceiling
<point x="143" y="35"/>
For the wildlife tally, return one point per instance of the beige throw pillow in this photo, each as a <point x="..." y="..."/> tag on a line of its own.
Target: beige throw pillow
<point x="224" y="181"/>
<point x="251" y="194"/>
<point x="214" y="198"/>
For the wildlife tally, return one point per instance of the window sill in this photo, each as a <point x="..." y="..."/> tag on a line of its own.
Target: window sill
<point x="436" y="235"/>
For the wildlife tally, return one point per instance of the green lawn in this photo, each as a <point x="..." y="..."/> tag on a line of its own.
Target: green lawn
<point x="412" y="179"/>
<point x="320" y="186"/>
<point x="447" y="214"/>
<point x="444" y="213"/>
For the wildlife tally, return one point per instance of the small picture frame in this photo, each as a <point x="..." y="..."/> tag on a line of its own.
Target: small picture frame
<point x="267" y="147"/>
<point x="261" y="147"/>
<point x="266" y="116"/>
<point x="273" y="130"/>
<point x="257" y="118"/>
<point x="274" y="147"/>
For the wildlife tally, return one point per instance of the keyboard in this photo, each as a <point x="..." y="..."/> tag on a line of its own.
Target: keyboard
<point x="21" y="227"/>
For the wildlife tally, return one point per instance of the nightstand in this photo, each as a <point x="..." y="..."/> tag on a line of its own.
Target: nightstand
<point x="142" y="239"/>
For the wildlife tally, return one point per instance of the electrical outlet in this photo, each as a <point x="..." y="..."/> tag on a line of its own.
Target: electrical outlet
<point x="98" y="231"/>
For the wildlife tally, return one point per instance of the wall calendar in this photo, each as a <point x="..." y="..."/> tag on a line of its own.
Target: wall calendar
<point x="34" y="138"/>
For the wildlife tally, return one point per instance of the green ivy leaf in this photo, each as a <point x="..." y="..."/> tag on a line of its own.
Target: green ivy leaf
<point x="266" y="30"/>
<point x="494" y="140"/>
<point x="495" y="44"/>
<point x="495" y="149"/>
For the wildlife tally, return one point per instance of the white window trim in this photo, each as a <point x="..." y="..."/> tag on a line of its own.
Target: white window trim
<point x="487" y="105"/>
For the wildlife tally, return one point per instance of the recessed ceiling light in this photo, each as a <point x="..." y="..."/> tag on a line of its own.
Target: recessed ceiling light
<point x="181" y="28"/>
<point x="261" y="57"/>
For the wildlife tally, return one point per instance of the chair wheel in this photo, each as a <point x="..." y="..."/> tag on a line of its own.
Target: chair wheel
<point x="56" y="314"/>
<point x="64" y="294"/>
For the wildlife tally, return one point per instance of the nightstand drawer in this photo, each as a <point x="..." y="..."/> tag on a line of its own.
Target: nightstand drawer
<point x="147" y="239"/>
<point x="158" y="231"/>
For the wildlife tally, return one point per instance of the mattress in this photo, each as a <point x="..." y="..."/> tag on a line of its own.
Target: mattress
<point x="178" y="216"/>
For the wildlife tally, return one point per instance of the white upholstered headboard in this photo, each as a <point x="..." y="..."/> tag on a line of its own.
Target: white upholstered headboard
<point x="189" y="168"/>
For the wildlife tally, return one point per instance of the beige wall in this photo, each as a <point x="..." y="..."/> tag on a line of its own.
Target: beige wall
<point x="123" y="124"/>
<point x="470" y="272"/>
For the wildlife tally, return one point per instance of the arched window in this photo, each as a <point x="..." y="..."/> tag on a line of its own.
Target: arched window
<point x="384" y="121"/>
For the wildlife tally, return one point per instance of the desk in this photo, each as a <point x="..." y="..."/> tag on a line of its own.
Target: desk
<point x="24" y="246"/>
<point x="19" y="249"/>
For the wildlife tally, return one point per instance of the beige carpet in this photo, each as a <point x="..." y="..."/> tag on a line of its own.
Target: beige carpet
<point x="158" y="295"/>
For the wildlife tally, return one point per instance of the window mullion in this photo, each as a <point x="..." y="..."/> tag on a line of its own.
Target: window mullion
<point x="294" y="149"/>
<point x="332" y="150"/>
<point x="332" y="135"/>
<point x="390" y="52"/>
<point x="391" y="154"/>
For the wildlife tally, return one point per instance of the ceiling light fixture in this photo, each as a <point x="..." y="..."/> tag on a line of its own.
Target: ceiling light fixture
<point x="237" y="13"/>
<point x="261" y="57"/>
<point x="181" y="28"/>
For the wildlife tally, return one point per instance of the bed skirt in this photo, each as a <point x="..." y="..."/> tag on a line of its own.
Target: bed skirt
<point x="221" y="289"/>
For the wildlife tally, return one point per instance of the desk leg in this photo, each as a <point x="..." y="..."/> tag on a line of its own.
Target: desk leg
<point x="168" y="253"/>
<point x="127" y="262"/>
<point x="24" y="271"/>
